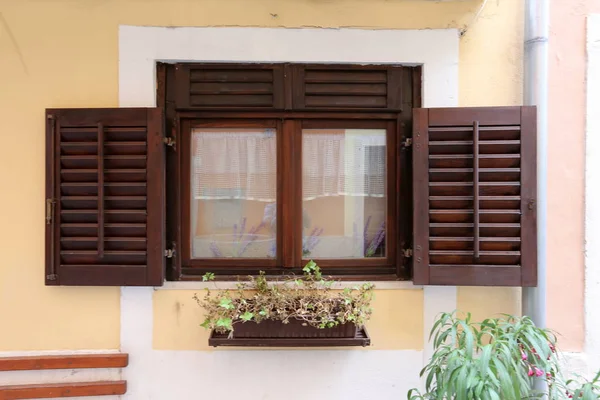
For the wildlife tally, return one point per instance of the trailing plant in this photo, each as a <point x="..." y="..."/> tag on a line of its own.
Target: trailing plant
<point x="309" y="298"/>
<point x="499" y="358"/>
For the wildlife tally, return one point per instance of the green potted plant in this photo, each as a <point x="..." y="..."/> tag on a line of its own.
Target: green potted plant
<point x="496" y="359"/>
<point x="584" y="389"/>
<point x="293" y="307"/>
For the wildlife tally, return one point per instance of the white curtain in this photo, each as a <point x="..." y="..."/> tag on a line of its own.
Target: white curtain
<point x="348" y="163"/>
<point x="235" y="165"/>
<point x="232" y="164"/>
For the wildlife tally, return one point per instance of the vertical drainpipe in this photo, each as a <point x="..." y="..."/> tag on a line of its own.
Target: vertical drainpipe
<point x="535" y="92"/>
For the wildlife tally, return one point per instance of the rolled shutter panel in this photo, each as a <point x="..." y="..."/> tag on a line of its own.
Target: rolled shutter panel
<point x="474" y="172"/>
<point x="105" y="197"/>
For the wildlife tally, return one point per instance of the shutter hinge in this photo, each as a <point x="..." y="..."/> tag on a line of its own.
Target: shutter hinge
<point x="407" y="253"/>
<point x="49" y="210"/>
<point x="51" y="277"/>
<point x="170" y="253"/>
<point x="407" y="143"/>
<point x="169" y="141"/>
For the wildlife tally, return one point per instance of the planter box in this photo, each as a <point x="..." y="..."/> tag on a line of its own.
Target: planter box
<point x="270" y="329"/>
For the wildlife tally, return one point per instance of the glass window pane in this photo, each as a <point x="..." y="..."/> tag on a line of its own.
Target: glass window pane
<point x="344" y="193"/>
<point x="233" y="205"/>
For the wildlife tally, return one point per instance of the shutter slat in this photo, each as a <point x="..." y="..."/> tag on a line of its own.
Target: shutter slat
<point x="345" y="87"/>
<point x="229" y="86"/>
<point x="106" y="229"/>
<point x="467" y="233"/>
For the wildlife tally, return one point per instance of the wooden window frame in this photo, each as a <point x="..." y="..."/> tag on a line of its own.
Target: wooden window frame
<point x="289" y="123"/>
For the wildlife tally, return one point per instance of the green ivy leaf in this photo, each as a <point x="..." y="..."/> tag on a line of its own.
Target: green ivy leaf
<point x="206" y="324"/>
<point x="263" y="312"/>
<point x="309" y="267"/>
<point x="226" y="303"/>
<point x="209" y="276"/>
<point x="225" y="323"/>
<point x="247" y="316"/>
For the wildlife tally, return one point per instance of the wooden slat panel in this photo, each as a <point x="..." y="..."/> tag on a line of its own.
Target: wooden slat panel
<point x="346" y="101"/>
<point x="64" y="362"/>
<point x="528" y="195"/>
<point x="82" y="117"/>
<point x="230" y="75"/>
<point x="461" y="116"/>
<point x="349" y="87"/>
<point x="103" y="275"/>
<point x="360" y="89"/>
<point x="420" y="197"/>
<point x="231" y="88"/>
<point x="63" y="390"/>
<point x="497" y="247"/>
<point x="475" y="275"/>
<point x="344" y="76"/>
<point x="107" y="182"/>
<point x="254" y="100"/>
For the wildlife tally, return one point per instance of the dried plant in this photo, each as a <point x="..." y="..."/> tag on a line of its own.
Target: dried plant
<point x="309" y="298"/>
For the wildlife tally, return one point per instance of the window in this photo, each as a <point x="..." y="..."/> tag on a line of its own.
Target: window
<point x="278" y="164"/>
<point x="260" y="167"/>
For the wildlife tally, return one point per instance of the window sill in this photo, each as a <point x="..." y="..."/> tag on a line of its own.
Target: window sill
<point x="223" y="285"/>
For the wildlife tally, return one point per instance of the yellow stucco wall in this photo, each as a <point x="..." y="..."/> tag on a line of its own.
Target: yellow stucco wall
<point x="396" y="324"/>
<point x="63" y="53"/>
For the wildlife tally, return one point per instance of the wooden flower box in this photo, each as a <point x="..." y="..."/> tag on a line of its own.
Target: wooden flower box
<point x="273" y="333"/>
<point x="293" y="329"/>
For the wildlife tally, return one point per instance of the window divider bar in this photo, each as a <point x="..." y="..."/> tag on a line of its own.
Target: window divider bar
<point x="288" y="194"/>
<point x="281" y="194"/>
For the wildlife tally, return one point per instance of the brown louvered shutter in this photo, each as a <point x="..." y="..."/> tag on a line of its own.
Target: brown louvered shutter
<point x="105" y="197"/>
<point x="348" y="87"/>
<point x="229" y="86"/>
<point x="474" y="172"/>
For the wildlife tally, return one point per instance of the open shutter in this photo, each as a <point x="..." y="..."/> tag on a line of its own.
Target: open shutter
<point x="474" y="172"/>
<point x="105" y="197"/>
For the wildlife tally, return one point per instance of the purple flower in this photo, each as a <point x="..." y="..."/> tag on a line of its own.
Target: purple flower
<point x="311" y="241"/>
<point x="214" y="248"/>
<point x="242" y="227"/>
<point x="365" y="231"/>
<point x="372" y="247"/>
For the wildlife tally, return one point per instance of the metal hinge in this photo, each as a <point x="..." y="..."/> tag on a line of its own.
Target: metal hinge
<point x="169" y="141"/>
<point x="52" y="277"/>
<point x="49" y="210"/>
<point x="407" y="253"/>
<point x="170" y="253"/>
<point x="407" y="142"/>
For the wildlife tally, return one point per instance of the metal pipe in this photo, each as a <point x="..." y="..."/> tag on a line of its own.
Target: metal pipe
<point x="535" y="92"/>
